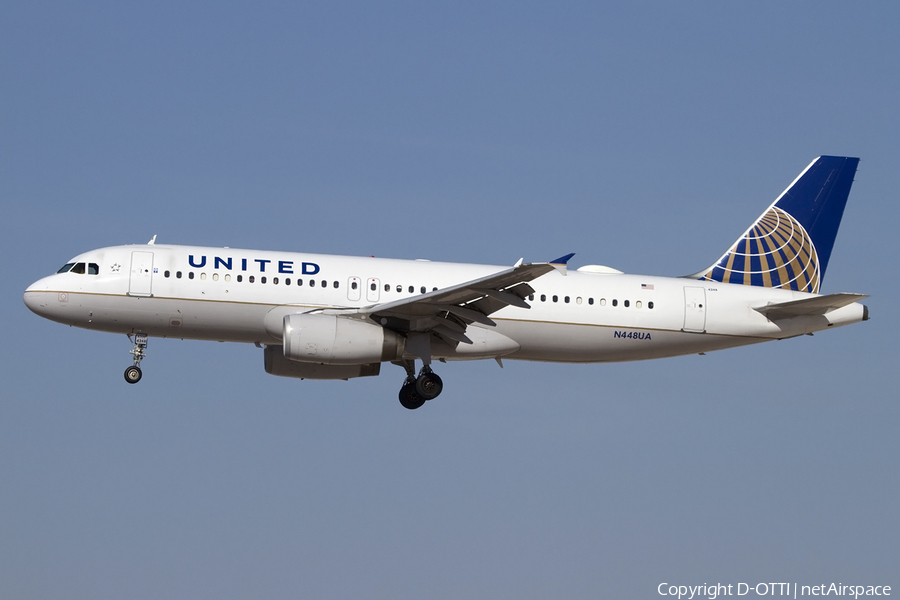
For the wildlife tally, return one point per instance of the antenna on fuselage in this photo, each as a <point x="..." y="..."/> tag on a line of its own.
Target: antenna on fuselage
<point x="152" y="240"/>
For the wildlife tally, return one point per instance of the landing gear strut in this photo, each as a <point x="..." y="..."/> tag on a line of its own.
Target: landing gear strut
<point x="133" y="373"/>
<point x="416" y="391"/>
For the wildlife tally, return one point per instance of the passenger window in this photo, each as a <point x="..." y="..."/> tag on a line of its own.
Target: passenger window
<point x="373" y="287"/>
<point x="191" y="275"/>
<point x="399" y="288"/>
<point x="203" y="276"/>
<point x="336" y="285"/>
<point x="422" y="289"/>
<point x="251" y="279"/>
<point x="638" y="304"/>
<point x="177" y="274"/>
<point x="387" y="287"/>
<point x="262" y="279"/>
<point x="650" y="304"/>
<point x="312" y="283"/>
<point x="627" y="303"/>
<point x="566" y="299"/>
<point x="240" y="278"/>
<point x="411" y="289"/>
<point x="434" y="289"/>
<point x="227" y="277"/>
<point x="602" y="301"/>
<point x="578" y="300"/>
<point x="93" y="269"/>
<point x="300" y="283"/>
<point x="215" y="276"/>
<point x="591" y="301"/>
<point x="531" y="296"/>
<point x="324" y="284"/>
<point x="543" y="297"/>
<point x="166" y="274"/>
<point x="78" y="268"/>
<point x="274" y="281"/>
<point x="556" y="298"/>
<point x="354" y="285"/>
<point x="66" y="268"/>
<point x="615" y="302"/>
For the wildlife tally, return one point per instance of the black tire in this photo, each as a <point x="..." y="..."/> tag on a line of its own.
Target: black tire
<point x="429" y="386"/>
<point x="133" y="374"/>
<point x="409" y="397"/>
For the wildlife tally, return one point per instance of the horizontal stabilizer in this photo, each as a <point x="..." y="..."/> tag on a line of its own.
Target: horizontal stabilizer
<point x="819" y="305"/>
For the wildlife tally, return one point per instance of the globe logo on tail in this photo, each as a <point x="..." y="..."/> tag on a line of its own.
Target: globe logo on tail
<point x="775" y="252"/>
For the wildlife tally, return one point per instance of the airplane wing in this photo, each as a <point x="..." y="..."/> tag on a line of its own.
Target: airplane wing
<point x="809" y="306"/>
<point x="448" y="311"/>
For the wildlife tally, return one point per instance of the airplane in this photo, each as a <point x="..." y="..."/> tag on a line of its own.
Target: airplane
<point x="339" y="317"/>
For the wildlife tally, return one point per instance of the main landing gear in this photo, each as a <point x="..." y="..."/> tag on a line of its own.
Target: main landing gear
<point x="416" y="391"/>
<point x="133" y="373"/>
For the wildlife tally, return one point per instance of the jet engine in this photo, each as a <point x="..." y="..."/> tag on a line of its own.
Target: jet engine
<point x="332" y="340"/>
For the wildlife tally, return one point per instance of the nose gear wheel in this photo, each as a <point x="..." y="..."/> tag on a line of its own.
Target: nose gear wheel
<point x="133" y="374"/>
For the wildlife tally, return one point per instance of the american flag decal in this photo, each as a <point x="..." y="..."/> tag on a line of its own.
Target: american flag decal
<point x="646" y="286"/>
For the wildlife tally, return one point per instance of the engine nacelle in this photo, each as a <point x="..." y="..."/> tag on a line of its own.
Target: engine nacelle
<point x="277" y="364"/>
<point x="332" y="340"/>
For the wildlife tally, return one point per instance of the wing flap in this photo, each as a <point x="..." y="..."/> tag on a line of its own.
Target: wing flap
<point x="467" y="314"/>
<point x="818" y="305"/>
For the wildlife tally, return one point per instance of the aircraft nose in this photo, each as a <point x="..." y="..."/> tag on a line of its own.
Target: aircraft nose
<point x="36" y="295"/>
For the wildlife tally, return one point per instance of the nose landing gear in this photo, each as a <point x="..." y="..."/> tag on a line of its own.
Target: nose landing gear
<point x="416" y="391"/>
<point x="133" y="373"/>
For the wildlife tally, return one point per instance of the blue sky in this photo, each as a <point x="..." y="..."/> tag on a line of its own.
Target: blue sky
<point x="645" y="136"/>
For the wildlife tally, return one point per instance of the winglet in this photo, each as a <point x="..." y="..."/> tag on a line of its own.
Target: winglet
<point x="560" y="263"/>
<point x="562" y="259"/>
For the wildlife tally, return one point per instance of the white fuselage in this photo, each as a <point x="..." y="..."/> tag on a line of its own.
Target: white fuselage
<point x="238" y="295"/>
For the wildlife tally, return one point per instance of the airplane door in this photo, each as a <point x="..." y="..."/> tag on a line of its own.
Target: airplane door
<point x="141" y="279"/>
<point x="694" y="309"/>
<point x="372" y="291"/>
<point x="354" y="289"/>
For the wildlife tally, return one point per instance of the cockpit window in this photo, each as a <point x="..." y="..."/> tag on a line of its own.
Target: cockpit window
<point x="80" y="268"/>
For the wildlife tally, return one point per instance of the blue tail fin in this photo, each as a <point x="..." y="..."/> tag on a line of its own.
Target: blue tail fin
<point x="790" y="244"/>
